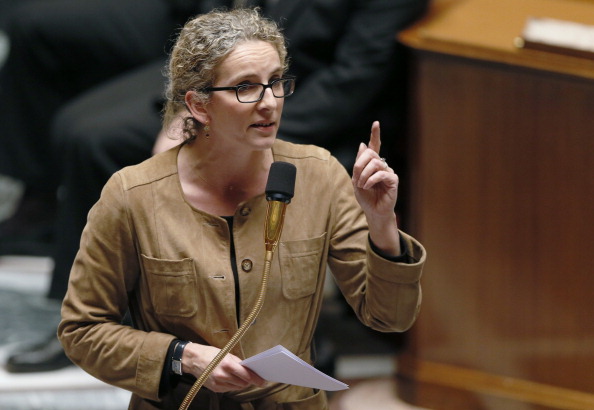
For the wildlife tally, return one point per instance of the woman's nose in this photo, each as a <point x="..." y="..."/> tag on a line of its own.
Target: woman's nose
<point x="268" y="99"/>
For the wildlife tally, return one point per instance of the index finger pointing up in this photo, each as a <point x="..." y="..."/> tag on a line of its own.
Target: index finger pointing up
<point x="374" y="140"/>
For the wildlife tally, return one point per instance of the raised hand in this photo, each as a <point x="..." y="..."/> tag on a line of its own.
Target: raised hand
<point x="376" y="190"/>
<point x="375" y="183"/>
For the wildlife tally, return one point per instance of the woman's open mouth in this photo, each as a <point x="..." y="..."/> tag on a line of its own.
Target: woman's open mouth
<point x="263" y="125"/>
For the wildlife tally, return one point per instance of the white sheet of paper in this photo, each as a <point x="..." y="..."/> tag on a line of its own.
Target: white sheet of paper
<point x="280" y="365"/>
<point x="559" y="33"/>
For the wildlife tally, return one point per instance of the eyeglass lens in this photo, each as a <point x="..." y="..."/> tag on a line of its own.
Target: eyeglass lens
<point x="254" y="92"/>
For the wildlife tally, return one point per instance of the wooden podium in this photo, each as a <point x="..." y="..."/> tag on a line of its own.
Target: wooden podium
<point x="502" y="196"/>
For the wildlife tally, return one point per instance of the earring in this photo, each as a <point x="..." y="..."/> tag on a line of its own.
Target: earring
<point x="206" y="130"/>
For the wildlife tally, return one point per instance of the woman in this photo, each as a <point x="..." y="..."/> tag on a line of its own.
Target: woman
<point x="178" y="239"/>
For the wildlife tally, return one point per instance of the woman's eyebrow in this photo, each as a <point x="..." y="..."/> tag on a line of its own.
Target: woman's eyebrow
<point x="250" y="76"/>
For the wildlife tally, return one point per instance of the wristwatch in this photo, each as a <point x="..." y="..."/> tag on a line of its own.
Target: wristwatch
<point x="176" y="363"/>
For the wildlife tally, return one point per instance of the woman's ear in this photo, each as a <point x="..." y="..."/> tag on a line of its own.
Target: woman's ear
<point x="196" y="107"/>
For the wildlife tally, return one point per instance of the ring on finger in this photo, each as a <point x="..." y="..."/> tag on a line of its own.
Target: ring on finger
<point x="384" y="161"/>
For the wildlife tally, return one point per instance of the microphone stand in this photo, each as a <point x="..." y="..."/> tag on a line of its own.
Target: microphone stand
<point x="275" y="217"/>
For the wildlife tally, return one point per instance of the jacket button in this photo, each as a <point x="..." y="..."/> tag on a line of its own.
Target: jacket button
<point x="247" y="265"/>
<point x="245" y="211"/>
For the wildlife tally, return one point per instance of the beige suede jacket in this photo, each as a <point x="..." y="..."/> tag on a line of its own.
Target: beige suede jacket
<point x="145" y="248"/>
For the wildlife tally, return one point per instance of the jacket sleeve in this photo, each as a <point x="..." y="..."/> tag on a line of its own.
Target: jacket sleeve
<point x="104" y="273"/>
<point x="384" y="294"/>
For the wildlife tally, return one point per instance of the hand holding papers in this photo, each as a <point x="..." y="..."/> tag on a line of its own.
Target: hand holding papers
<point x="280" y="365"/>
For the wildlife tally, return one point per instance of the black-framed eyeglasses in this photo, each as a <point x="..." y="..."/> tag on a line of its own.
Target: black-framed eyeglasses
<point x="254" y="92"/>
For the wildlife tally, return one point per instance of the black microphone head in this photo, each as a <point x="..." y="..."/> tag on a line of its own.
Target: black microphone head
<point x="281" y="181"/>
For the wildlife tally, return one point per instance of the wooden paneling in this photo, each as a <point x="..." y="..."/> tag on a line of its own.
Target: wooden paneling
<point x="502" y="196"/>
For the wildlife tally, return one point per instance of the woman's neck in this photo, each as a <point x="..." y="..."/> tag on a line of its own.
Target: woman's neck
<point x="218" y="181"/>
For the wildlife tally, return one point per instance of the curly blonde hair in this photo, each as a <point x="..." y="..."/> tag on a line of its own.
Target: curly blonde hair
<point x="201" y="46"/>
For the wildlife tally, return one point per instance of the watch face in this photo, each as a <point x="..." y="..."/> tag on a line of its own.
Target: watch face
<point x="177" y="367"/>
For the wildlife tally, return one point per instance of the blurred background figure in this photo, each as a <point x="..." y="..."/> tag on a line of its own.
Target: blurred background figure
<point x="65" y="61"/>
<point x="79" y="76"/>
<point x="10" y="189"/>
<point x="83" y="90"/>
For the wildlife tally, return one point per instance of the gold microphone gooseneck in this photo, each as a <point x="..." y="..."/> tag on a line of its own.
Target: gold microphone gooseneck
<point x="279" y="191"/>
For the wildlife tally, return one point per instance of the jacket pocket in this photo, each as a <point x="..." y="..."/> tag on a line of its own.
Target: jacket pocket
<point x="172" y="286"/>
<point x="300" y="266"/>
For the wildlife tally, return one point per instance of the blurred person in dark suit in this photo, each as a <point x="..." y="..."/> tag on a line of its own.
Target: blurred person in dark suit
<point x="68" y="56"/>
<point x="343" y="52"/>
<point x="79" y="75"/>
